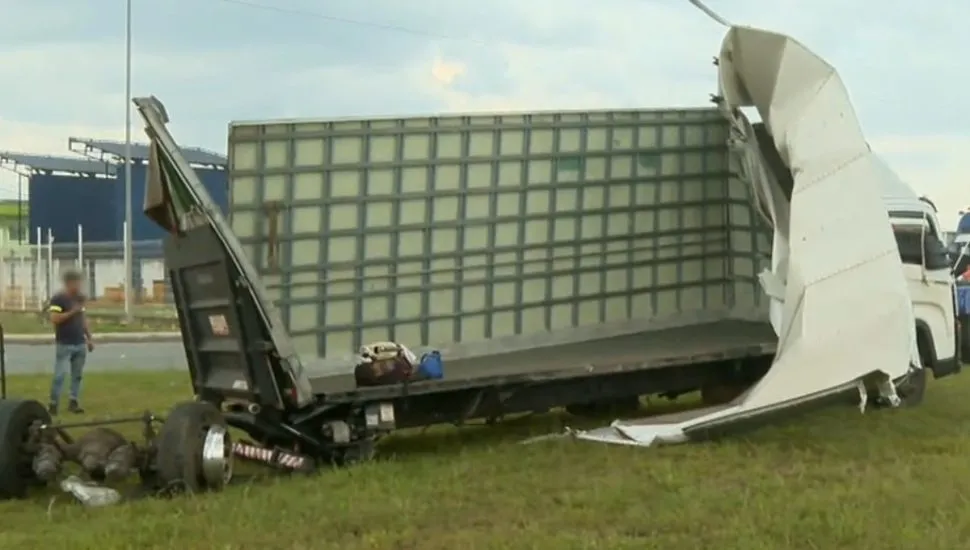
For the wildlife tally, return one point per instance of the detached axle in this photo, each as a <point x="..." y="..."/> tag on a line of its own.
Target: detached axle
<point x="190" y="450"/>
<point x="101" y="452"/>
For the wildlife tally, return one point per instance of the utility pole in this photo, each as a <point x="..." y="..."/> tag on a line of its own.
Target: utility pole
<point x="129" y="272"/>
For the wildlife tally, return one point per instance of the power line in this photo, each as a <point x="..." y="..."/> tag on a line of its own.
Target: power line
<point x="350" y="21"/>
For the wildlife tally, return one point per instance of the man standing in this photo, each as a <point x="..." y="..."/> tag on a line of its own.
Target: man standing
<point x="72" y="340"/>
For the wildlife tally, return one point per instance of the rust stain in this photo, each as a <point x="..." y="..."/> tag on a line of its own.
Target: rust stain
<point x="273" y="238"/>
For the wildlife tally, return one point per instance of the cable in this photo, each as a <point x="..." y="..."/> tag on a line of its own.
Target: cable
<point x="710" y="13"/>
<point x="349" y="21"/>
<point x="407" y="30"/>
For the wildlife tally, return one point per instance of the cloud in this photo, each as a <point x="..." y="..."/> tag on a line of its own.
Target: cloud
<point x="939" y="163"/>
<point x="212" y="61"/>
<point x="444" y="72"/>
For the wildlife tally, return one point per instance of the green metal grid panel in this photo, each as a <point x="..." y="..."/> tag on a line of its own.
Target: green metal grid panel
<point x="465" y="228"/>
<point x="750" y="241"/>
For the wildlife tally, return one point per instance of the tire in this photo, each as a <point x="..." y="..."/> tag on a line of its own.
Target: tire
<point x="16" y="462"/>
<point x="178" y="458"/>
<point x="912" y="387"/>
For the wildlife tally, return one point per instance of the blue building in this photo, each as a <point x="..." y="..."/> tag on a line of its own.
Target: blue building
<point x="65" y="193"/>
<point x="209" y="166"/>
<point x="62" y="193"/>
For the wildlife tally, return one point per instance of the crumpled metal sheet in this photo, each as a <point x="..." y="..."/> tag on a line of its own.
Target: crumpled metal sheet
<point x="840" y="306"/>
<point x="90" y="494"/>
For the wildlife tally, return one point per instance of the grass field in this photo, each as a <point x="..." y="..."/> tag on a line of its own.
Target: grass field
<point x="32" y="322"/>
<point x="831" y="480"/>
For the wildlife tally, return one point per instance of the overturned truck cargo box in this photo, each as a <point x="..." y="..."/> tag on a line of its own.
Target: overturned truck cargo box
<point x="839" y="304"/>
<point x="484" y="235"/>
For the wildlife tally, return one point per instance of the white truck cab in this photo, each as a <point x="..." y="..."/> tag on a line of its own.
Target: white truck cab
<point x="927" y="268"/>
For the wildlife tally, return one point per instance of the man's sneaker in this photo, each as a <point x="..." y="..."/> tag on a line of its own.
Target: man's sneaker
<point x="75" y="408"/>
<point x="52" y="409"/>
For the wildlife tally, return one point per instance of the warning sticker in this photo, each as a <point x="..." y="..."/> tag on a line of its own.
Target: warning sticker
<point x="219" y="325"/>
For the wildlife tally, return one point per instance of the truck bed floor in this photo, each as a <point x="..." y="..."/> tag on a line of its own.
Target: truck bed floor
<point x="642" y="350"/>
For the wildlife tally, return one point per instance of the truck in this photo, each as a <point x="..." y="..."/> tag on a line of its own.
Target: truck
<point x="556" y="259"/>
<point x="929" y="277"/>
<point x="553" y="259"/>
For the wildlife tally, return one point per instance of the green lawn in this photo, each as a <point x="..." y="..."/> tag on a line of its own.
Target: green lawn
<point x="830" y="480"/>
<point x="32" y="322"/>
<point x="11" y="209"/>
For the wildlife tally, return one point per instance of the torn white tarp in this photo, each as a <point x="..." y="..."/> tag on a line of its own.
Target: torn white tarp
<point x="839" y="302"/>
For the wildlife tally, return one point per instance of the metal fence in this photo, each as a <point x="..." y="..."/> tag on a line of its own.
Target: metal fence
<point x="29" y="274"/>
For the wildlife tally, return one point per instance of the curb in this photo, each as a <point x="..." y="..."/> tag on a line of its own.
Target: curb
<point x="103" y="338"/>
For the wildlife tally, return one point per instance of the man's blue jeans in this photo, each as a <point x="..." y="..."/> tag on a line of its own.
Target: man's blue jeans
<point x="68" y="358"/>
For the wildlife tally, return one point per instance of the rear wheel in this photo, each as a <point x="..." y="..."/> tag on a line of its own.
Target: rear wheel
<point x="193" y="449"/>
<point x="16" y="459"/>
<point x="910" y="388"/>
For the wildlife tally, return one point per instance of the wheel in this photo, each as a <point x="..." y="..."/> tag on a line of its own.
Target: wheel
<point x="193" y="449"/>
<point x="912" y="387"/>
<point x="16" y="460"/>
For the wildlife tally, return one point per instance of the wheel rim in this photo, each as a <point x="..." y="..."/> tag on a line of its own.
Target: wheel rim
<point x="217" y="457"/>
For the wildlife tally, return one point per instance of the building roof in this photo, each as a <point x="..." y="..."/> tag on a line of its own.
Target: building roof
<point x="114" y="151"/>
<point x="33" y="164"/>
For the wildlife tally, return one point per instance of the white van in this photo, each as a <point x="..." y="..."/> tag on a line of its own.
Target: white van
<point x="927" y="269"/>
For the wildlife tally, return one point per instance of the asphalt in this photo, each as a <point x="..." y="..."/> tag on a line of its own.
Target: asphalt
<point x="115" y="356"/>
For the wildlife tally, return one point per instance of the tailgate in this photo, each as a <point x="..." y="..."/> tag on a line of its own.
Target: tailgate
<point x="235" y="342"/>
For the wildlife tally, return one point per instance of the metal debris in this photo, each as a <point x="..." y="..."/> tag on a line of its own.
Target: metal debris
<point x="90" y="494"/>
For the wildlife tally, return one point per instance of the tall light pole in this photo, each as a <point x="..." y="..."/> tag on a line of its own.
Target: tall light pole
<point x="128" y="216"/>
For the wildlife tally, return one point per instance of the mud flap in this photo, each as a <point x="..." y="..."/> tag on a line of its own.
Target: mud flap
<point x="840" y="305"/>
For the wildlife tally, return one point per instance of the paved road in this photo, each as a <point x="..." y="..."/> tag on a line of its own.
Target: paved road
<point x="115" y="356"/>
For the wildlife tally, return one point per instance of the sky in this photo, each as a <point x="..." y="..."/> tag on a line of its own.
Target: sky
<point x="213" y="61"/>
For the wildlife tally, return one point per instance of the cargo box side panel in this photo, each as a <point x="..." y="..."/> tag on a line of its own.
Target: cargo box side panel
<point x="749" y="246"/>
<point x="486" y="234"/>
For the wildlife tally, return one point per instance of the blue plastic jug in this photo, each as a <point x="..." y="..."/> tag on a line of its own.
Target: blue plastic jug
<point x="431" y="366"/>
